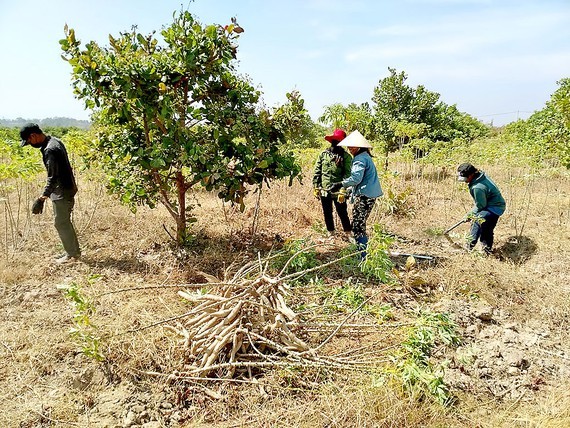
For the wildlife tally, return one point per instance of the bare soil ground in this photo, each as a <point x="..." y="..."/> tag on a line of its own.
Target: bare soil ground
<point x="512" y="310"/>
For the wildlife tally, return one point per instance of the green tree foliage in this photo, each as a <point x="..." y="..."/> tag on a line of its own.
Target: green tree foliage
<point x="545" y="136"/>
<point x="173" y="113"/>
<point x="295" y="123"/>
<point x="403" y="114"/>
<point x="354" y="116"/>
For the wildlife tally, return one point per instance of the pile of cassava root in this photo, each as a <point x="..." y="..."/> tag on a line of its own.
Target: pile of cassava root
<point x="242" y="326"/>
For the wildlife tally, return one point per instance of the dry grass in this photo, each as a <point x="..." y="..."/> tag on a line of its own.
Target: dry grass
<point x="46" y="381"/>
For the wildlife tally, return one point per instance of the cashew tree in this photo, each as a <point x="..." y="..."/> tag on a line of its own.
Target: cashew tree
<point x="171" y="113"/>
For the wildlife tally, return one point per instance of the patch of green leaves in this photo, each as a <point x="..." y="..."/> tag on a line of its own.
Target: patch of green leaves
<point x="419" y="376"/>
<point x="378" y="264"/>
<point x="348" y="297"/>
<point x="398" y="203"/>
<point x="83" y="330"/>
<point x="345" y="298"/>
<point x="297" y="255"/>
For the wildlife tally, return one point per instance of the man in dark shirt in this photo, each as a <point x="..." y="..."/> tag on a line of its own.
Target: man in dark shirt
<point x="60" y="186"/>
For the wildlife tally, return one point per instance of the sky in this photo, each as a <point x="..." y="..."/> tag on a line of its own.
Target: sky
<point x="498" y="60"/>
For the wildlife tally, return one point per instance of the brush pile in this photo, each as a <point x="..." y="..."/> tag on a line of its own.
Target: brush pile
<point x="243" y="326"/>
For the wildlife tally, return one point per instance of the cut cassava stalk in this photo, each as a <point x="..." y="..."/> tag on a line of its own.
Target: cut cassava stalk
<point x="245" y="325"/>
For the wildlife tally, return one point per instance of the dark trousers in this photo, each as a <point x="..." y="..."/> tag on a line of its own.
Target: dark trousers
<point x="482" y="229"/>
<point x="62" y="210"/>
<point x="341" y="210"/>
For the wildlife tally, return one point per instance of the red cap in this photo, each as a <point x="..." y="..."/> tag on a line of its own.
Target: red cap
<point x="337" y="135"/>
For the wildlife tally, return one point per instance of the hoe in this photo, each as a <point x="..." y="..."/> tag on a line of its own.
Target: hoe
<point x="446" y="233"/>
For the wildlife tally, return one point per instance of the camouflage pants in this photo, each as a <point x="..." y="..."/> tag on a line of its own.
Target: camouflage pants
<point x="362" y="208"/>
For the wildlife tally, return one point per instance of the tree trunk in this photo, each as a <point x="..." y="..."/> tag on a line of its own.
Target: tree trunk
<point x="181" y="214"/>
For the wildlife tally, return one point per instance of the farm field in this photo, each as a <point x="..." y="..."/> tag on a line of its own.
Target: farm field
<point x="510" y="312"/>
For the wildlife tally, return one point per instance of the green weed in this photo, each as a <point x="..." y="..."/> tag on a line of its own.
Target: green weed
<point x="319" y="227"/>
<point x="83" y="331"/>
<point x="297" y="255"/>
<point x="398" y="204"/>
<point x="349" y="297"/>
<point x="378" y="264"/>
<point x="413" y="367"/>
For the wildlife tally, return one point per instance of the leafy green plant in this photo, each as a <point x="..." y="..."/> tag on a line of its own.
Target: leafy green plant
<point x="345" y="298"/>
<point x="348" y="297"/>
<point x="319" y="227"/>
<point x="297" y="255"/>
<point x="382" y="313"/>
<point x="412" y="365"/>
<point x="83" y="330"/>
<point x="397" y="203"/>
<point x="349" y="265"/>
<point x="378" y="264"/>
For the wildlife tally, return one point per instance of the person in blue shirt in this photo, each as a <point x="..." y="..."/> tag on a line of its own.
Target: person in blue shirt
<point x="365" y="186"/>
<point x="489" y="206"/>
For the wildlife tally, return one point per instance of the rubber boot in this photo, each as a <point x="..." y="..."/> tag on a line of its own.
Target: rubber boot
<point x="362" y="244"/>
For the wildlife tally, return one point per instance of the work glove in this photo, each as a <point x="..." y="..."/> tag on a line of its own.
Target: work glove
<point x="334" y="187"/>
<point x="341" y="197"/>
<point x="317" y="192"/>
<point x="38" y="206"/>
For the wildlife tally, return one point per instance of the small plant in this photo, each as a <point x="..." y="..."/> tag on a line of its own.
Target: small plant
<point x="319" y="227"/>
<point x="378" y="264"/>
<point x="381" y="312"/>
<point x="348" y="296"/>
<point x="434" y="231"/>
<point x="349" y="265"/>
<point x="413" y="365"/>
<point x="297" y="255"/>
<point x="83" y="331"/>
<point x="398" y="204"/>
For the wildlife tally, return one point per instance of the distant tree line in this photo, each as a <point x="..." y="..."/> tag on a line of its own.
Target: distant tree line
<point x="53" y="122"/>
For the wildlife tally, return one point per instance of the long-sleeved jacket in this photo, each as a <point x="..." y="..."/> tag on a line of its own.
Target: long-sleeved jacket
<point x="327" y="171"/>
<point x="486" y="195"/>
<point x="363" y="177"/>
<point x="60" y="179"/>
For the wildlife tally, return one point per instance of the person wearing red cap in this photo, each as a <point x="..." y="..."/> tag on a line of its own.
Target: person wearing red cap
<point x="333" y="165"/>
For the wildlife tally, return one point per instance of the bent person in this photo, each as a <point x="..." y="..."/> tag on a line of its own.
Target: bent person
<point x="60" y="186"/>
<point x="489" y="206"/>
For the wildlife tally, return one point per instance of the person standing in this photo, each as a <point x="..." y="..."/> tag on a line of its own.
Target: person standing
<point x="332" y="165"/>
<point x="489" y="206"/>
<point x="60" y="186"/>
<point x="363" y="180"/>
